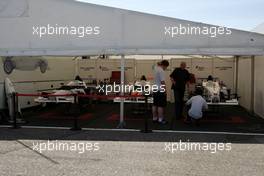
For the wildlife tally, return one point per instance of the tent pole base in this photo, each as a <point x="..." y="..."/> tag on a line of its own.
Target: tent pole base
<point x="121" y="125"/>
<point x="76" y="129"/>
<point x="146" y="131"/>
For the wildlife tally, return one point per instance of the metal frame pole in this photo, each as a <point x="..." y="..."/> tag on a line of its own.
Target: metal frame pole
<point x="236" y="73"/>
<point x="252" y="103"/>
<point x="15" y="109"/>
<point x="146" y="125"/>
<point x="76" y="115"/>
<point x="122" y="121"/>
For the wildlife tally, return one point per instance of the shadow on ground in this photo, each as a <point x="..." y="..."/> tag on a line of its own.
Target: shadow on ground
<point x="219" y="125"/>
<point x="28" y="133"/>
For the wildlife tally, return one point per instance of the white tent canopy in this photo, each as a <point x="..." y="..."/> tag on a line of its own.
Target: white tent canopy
<point x="111" y="31"/>
<point x="259" y="29"/>
<point x="121" y="32"/>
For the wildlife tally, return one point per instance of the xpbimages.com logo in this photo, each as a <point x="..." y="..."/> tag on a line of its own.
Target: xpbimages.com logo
<point x="79" y="147"/>
<point x="211" y="31"/>
<point x="59" y="30"/>
<point x="172" y="147"/>
<point x="146" y="89"/>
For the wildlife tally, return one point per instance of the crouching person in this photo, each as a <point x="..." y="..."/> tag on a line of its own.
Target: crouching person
<point x="197" y="105"/>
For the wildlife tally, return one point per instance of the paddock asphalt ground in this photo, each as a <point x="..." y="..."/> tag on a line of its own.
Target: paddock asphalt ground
<point x="130" y="152"/>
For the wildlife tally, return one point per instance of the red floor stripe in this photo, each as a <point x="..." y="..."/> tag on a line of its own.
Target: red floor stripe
<point x="86" y="116"/>
<point x="60" y="116"/>
<point x="233" y="120"/>
<point x="116" y="117"/>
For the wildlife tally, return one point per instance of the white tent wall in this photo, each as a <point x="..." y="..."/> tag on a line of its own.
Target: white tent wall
<point x="259" y="83"/>
<point x="105" y="68"/>
<point x="252" y="100"/>
<point x="259" y="86"/>
<point x="202" y="68"/>
<point x="222" y="68"/>
<point x="87" y="69"/>
<point x="145" y="67"/>
<point x="143" y="57"/>
<point x="64" y="69"/>
<point x="60" y="70"/>
<point x="244" y="82"/>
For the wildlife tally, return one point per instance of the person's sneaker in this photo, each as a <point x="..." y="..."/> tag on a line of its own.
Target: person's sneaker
<point x="187" y="122"/>
<point x="178" y="118"/>
<point x="155" y="121"/>
<point x="197" y="124"/>
<point x="163" y="122"/>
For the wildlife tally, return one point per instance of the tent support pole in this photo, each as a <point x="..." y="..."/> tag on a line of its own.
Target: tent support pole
<point x="252" y="104"/>
<point x="122" y="121"/>
<point x="236" y="73"/>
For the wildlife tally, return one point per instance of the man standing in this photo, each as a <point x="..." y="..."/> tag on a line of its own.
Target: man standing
<point x="179" y="77"/>
<point x="159" y="97"/>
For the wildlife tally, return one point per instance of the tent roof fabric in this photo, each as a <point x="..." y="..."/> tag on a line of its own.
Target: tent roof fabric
<point x="259" y="29"/>
<point x="109" y="31"/>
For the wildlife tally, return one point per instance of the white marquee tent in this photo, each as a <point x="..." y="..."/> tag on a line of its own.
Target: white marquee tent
<point x="113" y="32"/>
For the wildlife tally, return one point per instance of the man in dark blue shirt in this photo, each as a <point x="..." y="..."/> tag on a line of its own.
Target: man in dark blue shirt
<point x="179" y="77"/>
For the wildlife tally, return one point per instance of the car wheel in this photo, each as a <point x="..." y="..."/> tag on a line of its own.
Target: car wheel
<point x="9" y="66"/>
<point x="43" y="66"/>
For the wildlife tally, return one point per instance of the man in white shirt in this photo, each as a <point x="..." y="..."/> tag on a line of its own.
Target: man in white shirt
<point x="198" y="105"/>
<point x="159" y="96"/>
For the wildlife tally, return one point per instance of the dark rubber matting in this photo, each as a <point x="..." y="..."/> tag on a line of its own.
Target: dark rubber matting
<point x="106" y="115"/>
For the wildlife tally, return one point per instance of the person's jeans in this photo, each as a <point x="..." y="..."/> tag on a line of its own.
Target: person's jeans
<point x="179" y="102"/>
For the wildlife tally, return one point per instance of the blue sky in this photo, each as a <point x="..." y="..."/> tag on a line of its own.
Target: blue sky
<point x="239" y="14"/>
